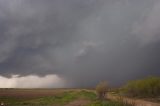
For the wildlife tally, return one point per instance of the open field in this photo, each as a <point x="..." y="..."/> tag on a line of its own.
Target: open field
<point x="54" y="97"/>
<point x="36" y="97"/>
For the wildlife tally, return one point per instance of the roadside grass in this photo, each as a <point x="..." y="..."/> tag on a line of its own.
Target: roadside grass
<point x="109" y="103"/>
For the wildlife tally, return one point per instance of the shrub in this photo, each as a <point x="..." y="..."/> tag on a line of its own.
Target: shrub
<point x="101" y="90"/>
<point x="149" y="87"/>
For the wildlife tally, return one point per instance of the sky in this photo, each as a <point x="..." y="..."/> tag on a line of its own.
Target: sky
<point x="77" y="43"/>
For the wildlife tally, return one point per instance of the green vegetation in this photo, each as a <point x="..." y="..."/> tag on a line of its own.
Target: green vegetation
<point x="60" y="99"/>
<point x="149" y="87"/>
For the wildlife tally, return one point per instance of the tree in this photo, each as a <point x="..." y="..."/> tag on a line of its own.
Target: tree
<point x="101" y="90"/>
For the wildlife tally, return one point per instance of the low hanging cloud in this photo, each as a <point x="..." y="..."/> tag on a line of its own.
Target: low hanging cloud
<point x="79" y="41"/>
<point x="32" y="81"/>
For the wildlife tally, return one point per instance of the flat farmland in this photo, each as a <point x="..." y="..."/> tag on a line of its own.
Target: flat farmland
<point x="30" y="93"/>
<point x="34" y="97"/>
<point x="57" y="97"/>
<point x="46" y="97"/>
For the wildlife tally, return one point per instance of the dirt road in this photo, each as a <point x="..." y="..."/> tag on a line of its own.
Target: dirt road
<point x="136" y="102"/>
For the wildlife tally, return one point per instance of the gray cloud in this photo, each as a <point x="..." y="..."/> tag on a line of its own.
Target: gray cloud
<point x="82" y="41"/>
<point x="148" y="28"/>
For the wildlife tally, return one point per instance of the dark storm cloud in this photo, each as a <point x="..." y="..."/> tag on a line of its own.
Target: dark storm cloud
<point x="33" y="30"/>
<point x="83" y="41"/>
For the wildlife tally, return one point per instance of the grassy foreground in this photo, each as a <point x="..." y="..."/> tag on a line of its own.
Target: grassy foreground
<point x="52" y="98"/>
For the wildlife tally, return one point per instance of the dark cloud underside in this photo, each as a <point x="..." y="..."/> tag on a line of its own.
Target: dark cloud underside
<point x="83" y="41"/>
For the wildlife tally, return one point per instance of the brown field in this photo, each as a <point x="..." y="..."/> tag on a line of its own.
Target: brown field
<point x="30" y="93"/>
